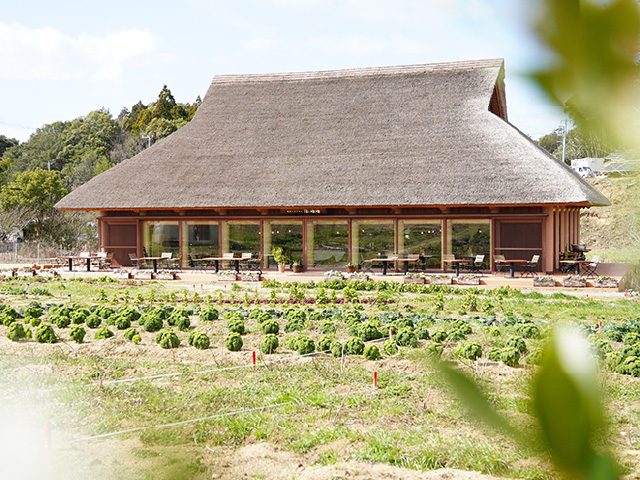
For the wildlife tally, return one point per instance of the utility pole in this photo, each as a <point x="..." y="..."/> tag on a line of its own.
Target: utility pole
<point x="564" y="138"/>
<point x="148" y="137"/>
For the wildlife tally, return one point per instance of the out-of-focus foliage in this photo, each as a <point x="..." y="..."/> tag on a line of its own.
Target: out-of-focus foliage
<point x="594" y="71"/>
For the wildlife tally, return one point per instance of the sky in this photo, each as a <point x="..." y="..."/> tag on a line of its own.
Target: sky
<point x="61" y="60"/>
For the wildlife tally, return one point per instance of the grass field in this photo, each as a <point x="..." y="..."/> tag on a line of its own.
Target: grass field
<point x="119" y="409"/>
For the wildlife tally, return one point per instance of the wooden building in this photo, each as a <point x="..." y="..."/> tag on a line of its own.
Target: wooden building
<point x="342" y="166"/>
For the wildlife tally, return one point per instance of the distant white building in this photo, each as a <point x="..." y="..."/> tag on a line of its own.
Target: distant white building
<point x="595" y="164"/>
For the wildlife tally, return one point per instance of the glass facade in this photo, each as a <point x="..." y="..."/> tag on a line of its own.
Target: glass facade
<point x="327" y="243"/>
<point x="200" y="239"/>
<point x="160" y="237"/>
<point x="421" y="237"/>
<point x="372" y="239"/>
<point x="467" y="238"/>
<point x="322" y="244"/>
<point x="240" y="237"/>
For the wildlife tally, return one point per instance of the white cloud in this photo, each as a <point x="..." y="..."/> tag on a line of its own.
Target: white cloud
<point x="47" y="54"/>
<point x="260" y="44"/>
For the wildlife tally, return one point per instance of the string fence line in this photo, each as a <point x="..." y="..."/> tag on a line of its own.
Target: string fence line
<point x="171" y="374"/>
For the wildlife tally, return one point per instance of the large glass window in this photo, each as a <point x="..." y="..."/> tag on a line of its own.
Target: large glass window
<point x="421" y="237"/>
<point x="160" y="237"/>
<point x="327" y="243"/>
<point x="467" y="238"/>
<point x="200" y="239"/>
<point x="372" y="239"/>
<point x="286" y="234"/>
<point x="241" y="237"/>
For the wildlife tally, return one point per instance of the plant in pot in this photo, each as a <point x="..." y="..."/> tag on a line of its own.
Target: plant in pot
<point x="351" y="267"/>
<point x="296" y="266"/>
<point x="281" y="257"/>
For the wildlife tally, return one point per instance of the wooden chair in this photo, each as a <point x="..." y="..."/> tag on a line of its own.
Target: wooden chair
<point x="589" y="269"/>
<point x="476" y="266"/>
<point x="531" y="267"/>
<point x="196" y="263"/>
<point x="500" y="263"/>
<point x="137" y="262"/>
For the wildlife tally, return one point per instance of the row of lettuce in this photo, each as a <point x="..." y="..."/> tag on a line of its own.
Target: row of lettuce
<point x="337" y="331"/>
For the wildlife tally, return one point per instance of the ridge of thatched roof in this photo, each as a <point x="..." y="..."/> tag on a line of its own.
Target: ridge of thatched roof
<point x="411" y="135"/>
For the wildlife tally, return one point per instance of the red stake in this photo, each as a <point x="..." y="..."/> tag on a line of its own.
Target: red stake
<point x="375" y="380"/>
<point x="254" y="359"/>
<point x="391" y="333"/>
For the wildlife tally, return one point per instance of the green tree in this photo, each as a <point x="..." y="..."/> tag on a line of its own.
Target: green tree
<point x="36" y="191"/>
<point x="164" y="104"/>
<point x="6" y="143"/>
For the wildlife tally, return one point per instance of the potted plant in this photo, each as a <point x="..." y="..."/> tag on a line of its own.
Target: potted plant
<point x="605" y="282"/>
<point x="469" y="279"/>
<point x="575" y="281"/>
<point x="351" y="267"/>
<point x="414" y="278"/>
<point x="281" y="257"/>
<point x="143" y="274"/>
<point x="250" y="275"/>
<point x="165" y="275"/>
<point x="544" y="281"/>
<point x="296" y="267"/>
<point x="440" y="279"/>
<point x="227" y="275"/>
<point x="332" y="275"/>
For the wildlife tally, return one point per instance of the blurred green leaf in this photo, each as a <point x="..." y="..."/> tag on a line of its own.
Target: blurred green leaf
<point x="469" y="393"/>
<point x="567" y="403"/>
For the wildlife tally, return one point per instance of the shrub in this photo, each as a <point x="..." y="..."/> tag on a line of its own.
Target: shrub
<point x="469" y="350"/>
<point x="260" y="315"/>
<point x="77" y="333"/>
<point x="93" y="321"/>
<point x="629" y="366"/>
<point x="456" y="335"/>
<point x="270" y="326"/>
<point x="336" y="348"/>
<point x="494" y="354"/>
<point x="129" y="312"/>
<point x="327" y="327"/>
<point x="368" y="331"/>
<point x="528" y="330"/>
<point x="103" y="332"/>
<point x="131" y="332"/>
<point x="406" y="338"/>
<point x="295" y="315"/>
<point x="32" y="311"/>
<point x="34" y="321"/>
<point x="433" y="349"/>
<point x="79" y="315"/>
<point x="510" y="356"/>
<point x="422" y="332"/>
<point x="614" y="335"/>
<point x="438" y="335"/>
<point x="122" y="323"/>
<point x="535" y="356"/>
<point x="324" y="343"/>
<point x="518" y="343"/>
<point x="631" y="338"/>
<point x="601" y="347"/>
<point x="233" y="342"/>
<point x="401" y="323"/>
<point x="371" y="352"/>
<point x="236" y="325"/>
<point x="151" y="322"/>
<point x="16" y="331"/>
<point x="269" y="343"/>
<point x="180" y="319"/>
<point x="303" y="345"/>
<point x="462" y="326"/>
<point x="390" y="348"/>
<point x="10" y="312"/>
<point x="45" y="334"/>
<point x="167" y="338"/>
<point x="354" y="346"/>
<point x="104" y="312"/>
<point x="61" y="321"/>
<point x="209" y="313"/>
<point x="294" y="325"/>
<point x="6" y="320"/>
<point x="200" y="340"/>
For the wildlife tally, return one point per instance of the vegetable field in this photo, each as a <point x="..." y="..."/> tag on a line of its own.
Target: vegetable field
<point x="329" y="380"/>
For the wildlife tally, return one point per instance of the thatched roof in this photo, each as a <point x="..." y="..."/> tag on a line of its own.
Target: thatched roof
<point x="403" y="136"/>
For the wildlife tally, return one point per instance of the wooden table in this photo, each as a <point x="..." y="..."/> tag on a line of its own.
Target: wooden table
<point x="512" y="264"/>
<point x="386" y="261"/>
<point x="216" y="261"/>
<point x="576" y="264"/>
<point x="456" y="262"/>
<point x="71" y="258"/>
<point x="154" y="260"/>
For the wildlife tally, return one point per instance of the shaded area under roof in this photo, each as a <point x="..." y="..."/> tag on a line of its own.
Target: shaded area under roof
<point x="403" y="136"/>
